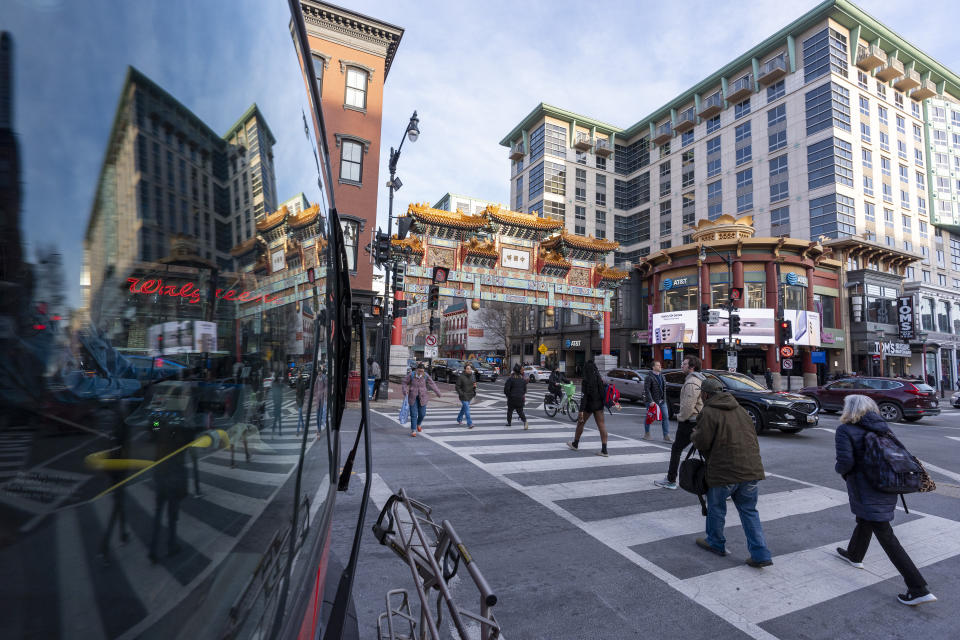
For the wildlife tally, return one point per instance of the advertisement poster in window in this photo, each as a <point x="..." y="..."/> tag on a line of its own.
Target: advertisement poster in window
<point x="756" y="326"/>
<point x="806" y="327"/>
<point x="675" y="326"/>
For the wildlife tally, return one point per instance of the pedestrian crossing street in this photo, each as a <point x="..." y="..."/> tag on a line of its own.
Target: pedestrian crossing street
<point x="120" y="592"/>
<point x="615" y="501"/>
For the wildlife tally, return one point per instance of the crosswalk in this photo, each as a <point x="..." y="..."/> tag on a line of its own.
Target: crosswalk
<point x="120" y="592"/>
<point x="615" y="501"/>
<point x="15" y="443"/>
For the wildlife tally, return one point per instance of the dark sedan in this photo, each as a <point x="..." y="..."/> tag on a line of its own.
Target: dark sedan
<point x="483" y="371"/>
<point x="788" y="412"/>
<point x="898" y="399"/>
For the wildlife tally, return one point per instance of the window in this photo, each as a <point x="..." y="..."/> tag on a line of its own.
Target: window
<point x="744" y="155"/>
<point x="904" y="199"/>
<point x="887" y="193"/>
<point x="885" y="165"/>
<point x="555" y="178"/>
<point x="884" y="142"/>
<point x="891" y="242"/>
<point x="351" y="235"/>
<point x="689" y="208"/>
<point x="901" y="123"/>
<point x="869" y="212"/>
<point x="898" y="99"/>
<point x="535" y="179"/>
<point x="581" y="157"/>
<point x="580" y="220"/>
<point x="555" y="210"/>
<point x="351" y="161"/>
<point x="881" y="90"/>
<point x="942" y="281"/>
<point x="713" y="124"/>
<point x="601" y="190"/>
<point x="687" y="169"/>
<point x="907" y="245"/>
<point x="904" y="174"/>
<point x="923" y="230"/>
<point x="664" y="179"/>
<point x="868" y="185"/>
<point x="713" y="164"/>
<point x="917" y="133"/>
<point x="780" y="221"/>
<point x="882" y="113"/>
<point x="776" y="91"/>
<point x="888" y="217"/>
<point x="686" y="138"/>
<point x="519" y="197"/>
<point x="601" y="162"/>
<point x="777" y="141"/>
<point x="829" y="161"/>
<point x="823" y="53"/>
<point x="744" y="190"/>
<point x="777" y="114"/>
<point x="907" y="226"/>
<point x="600" y="224"/>
<point x="356" y="95"/>
<point x="827" y="105"/>
<point x="555" y="140"/>
<point x="741" y="109"/>
<point x="921" y="205"/>
<point x="714" y="200"/>
<point x="832" y="215"/>
<point x="926" y="278"/>
<point x="779" y="185"/>
<point x="867" y="158"/>
<point x="580" y="185"/>
<point x="865" y="105"/>
<point x="742" y="132"/>
<point x="902" y="149"/>
<point x="861" y="79"/>
<point x="865" y="132"/>
<point x="318" y="62"/>
<point x="536" y="142"/>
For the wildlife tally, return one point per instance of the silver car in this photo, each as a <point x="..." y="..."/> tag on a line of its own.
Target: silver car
<point x="629" y="382"/>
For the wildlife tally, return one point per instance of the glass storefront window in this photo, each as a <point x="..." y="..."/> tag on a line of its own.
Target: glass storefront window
<point x="881" y="310"/>
<point x="683" y="299"/>
<point x="794" y="297"/>
<point x="828" y="308"/>
<point x="756" y="295"/>
<point x="719" y="294"/>
<point x="943" y="316"/>
<point x="926" y="314"/>
<point x="956" y="318"/>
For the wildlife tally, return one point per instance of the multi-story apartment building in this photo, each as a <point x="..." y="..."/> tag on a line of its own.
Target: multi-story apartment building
<point x="166" y="173"/>
<point x="834" y="126"/>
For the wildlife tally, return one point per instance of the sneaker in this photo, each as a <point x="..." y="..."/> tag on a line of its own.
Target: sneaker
<point x="647" y="436"/>
<point x="413" y="434"/>
<point x="665" y="484"/>
<point x="759" y="564"/>
<point x="667" y="439"/>
<point x="703" y="544"/>
<point x="419" y="428"/>
<point x="846" y="556"/>
<point x="526" y="425"/>
<point x="509" y="425"/>
<point x="913" y="599"/>
<point x="575" y="447"/>
<point x="603" y="453"/>
<point x="469" y="426"/>
<point x="460" y="422"/>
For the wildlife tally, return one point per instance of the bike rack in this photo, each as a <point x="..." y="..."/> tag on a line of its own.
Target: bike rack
<point x="432" y="552"/>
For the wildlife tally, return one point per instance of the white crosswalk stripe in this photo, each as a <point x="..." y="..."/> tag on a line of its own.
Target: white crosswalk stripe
<point x="739" y="594"/>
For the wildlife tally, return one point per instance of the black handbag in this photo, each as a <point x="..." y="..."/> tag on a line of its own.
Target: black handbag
<point x="693" y="477"/>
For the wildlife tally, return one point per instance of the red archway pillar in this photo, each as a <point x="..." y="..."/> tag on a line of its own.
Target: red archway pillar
<point x="605" y="342"/>
<point x="653" y="291"/>
<point x="738" y="281"/>
<point x="705" y="347"/>
<point x="396" y="337"/>
<point x="771" y="272"/>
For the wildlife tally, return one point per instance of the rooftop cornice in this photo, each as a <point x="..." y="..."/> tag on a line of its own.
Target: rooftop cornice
<point x="356" y="25"/>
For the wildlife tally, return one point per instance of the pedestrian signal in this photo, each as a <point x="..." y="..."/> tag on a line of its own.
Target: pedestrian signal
<point x="440" y="275"/>
<point x="399" y="308"/>
<point x="433" y="298"/>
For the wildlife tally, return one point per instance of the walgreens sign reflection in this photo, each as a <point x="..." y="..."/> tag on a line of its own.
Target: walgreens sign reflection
<point x="191" y="293"/>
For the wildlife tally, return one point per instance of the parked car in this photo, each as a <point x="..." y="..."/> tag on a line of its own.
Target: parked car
<point x="483" y="371"/>
<point x="446" y="369"/>
<point x="629" y="382"/>
<point x="955" y="400"/>
<point x="897" y="398"/>
<point x="788" y="412"/>
<point x="535" y="374"/>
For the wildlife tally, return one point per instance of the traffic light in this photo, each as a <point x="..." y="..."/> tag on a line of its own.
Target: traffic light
<point x="734" y="323"/>
<point x="433" y="325"/>
<point x="704" y="313"/>
<point x="377" y="306"/>
<point x="399" y="308"/>
<point x="440" y="275"/>
<point x="399" y="271"/>
<point x="786" y="331"/>
<point x="381" y="248"/>
<point x="433" y="298"/>
<point x="736" y="294"/>
<point x="160" y="344"/>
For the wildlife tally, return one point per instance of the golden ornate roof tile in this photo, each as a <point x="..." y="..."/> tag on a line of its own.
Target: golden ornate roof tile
<point x="457" y="219"/>
<point x="553" y="258"/>
<point x="611" y="273"/>
<point x="410" y="244"/>
<point x="272" y="220"/>
<point x="477" y="247"/>
<point x="304" y="217"/>
<point x="526" y="220"/>
<point x="579" y="242"/>
<point x="245" y="247"/>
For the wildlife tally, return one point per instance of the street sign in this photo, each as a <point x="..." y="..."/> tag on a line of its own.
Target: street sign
<point x="787" y="364"/>
<point x="786" y="351"/>
<point x="430" y="340"/>
<point x="542" y="348"/>
<point x="731" y="361"/>
<point x="430" y="352"/>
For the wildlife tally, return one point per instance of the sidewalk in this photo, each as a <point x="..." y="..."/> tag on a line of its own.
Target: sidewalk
<point x="448" y="398"/>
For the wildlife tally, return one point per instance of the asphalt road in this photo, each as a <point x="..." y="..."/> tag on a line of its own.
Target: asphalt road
<point x="579" y="546"/>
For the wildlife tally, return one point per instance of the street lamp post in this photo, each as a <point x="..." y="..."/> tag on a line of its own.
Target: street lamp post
<point x="389" y="283"/>
<point x="729" y="306"/>
<point x="880" y="336"/>
<point x="923" y="357"/>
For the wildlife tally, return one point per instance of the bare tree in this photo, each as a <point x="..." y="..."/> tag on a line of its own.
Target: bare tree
<point x="502" y="320"/>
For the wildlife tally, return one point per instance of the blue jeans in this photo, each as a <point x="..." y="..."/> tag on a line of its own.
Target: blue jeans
<point x="465" y="410"/>
<point x="664" y="423"/>
<point x="744" y="496"/>
<point x="417" y="413"/>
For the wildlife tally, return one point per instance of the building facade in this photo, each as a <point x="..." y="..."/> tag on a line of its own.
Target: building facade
<point x="834" y="126"/>
<point x="167" y="173"/>
<point x="351" y="56"/>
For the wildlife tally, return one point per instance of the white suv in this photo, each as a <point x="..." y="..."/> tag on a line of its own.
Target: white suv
<point x="535" y="374"/>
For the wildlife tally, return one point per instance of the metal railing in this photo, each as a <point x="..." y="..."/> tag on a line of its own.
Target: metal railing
<point x="433" y="553"/>
<point x="713" y="100"/>
<point x="780" y="62"/>
<point x="686" y="115"/>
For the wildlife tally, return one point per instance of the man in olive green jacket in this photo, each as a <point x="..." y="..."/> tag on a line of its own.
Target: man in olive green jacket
<point x="726" y="437"/>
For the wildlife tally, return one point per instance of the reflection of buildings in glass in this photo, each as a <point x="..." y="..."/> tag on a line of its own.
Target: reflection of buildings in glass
<point x="351" y="231"/>
<point x="12" y="268"/>
<point x="167" y="173"/>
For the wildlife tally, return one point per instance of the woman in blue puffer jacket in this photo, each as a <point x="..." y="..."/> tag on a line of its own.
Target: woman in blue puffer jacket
<point x="874" y="509"/>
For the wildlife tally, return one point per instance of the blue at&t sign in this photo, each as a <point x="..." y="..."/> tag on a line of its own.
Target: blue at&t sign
<point x="792" y="279"/>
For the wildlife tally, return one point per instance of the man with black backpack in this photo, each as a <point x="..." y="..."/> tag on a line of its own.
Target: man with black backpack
<point x="863" y="464"/>
<point x="726" y="437"/>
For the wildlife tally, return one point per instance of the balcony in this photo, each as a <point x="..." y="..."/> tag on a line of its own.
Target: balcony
<point x="686" y="120"/>
<point x="927" y="89"/>
<point x="740" y="89"/>
<point x="773" y="70"/>
<point x="909" y="80"/>
<point x="583" y="142"/>
<point x="602" y="148"/>
<point x="663" y="134"/>
<point x="711" y="106"/>
<point x="869" y="58"/>
<point x="893" y="69"/>
<point x="516" y="151"/>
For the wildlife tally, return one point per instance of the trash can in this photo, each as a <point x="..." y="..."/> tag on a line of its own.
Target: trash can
<point x="353" y="387"/>
<point x="370" y="383"/>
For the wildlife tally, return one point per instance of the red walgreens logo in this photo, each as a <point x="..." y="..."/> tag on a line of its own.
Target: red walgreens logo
<point x="191" y="293"/>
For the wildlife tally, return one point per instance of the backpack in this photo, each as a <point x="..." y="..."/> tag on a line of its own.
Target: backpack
<point x="610" y="396"/>
<point x="890" y="468"/>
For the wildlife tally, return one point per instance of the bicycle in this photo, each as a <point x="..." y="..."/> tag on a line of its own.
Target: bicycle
<point x="567" y="405"/>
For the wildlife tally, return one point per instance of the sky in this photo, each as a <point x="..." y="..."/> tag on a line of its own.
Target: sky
<point x="472" y="71"/>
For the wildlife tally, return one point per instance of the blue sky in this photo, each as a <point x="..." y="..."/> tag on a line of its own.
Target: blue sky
<point x="471" y="70"/>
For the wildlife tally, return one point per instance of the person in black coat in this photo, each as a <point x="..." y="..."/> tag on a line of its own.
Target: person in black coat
<point x="554" y="383"/>
<point x="874" y="509"/>
<point x="591" y="404"/>
<point x="515" y="388"/>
